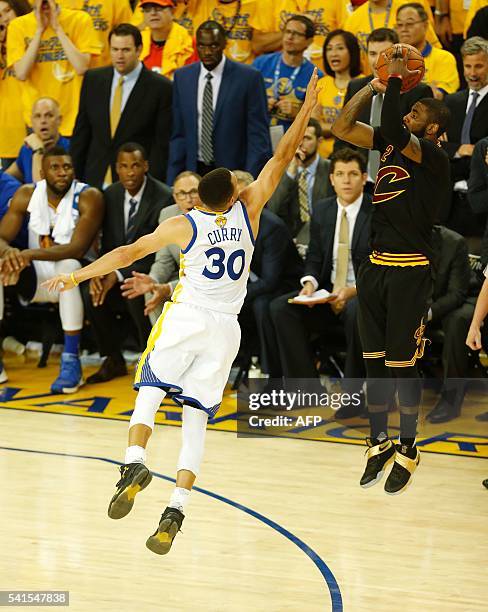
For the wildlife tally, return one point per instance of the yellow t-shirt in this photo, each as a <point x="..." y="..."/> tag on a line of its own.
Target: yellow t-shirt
<point x="331" y="100"/>
<point x="177" y="50"/>
<point x="359" y="24"/>
<point x="238" y="26"/>
<point x="189" y="15"/>
<point x="327" y="16"/>
<point x="52" y="74"/>
<point x="441" y="70"/>
<point x="105" y="15"/>
<point x="475" y="6"/>
<point x="458" y="15"/>
<point x="12" y="125"/>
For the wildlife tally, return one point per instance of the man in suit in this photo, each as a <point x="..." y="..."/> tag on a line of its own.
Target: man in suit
<point x="132" y="210"/>
<point x="305" y="182"/>
<point x="159" y="284"/>
<point x="331" y="264"/>
<point x="220" y="114"/>
<point x="478" y="190"/>
<point x="379" y="40"/>
<point x="469" y="109"/>
<point x="122" y="103"/>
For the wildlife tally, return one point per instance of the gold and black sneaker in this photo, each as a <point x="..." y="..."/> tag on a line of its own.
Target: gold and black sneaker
<point x="134" y="478"/>
<point x="169" y="525"/>
<point x="403" y="468"/>
<point x="379" y="455"/>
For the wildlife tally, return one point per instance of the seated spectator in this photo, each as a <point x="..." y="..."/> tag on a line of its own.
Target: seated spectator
<point x="50" y="49"/>
<point x="478" y="190"/>
<point x="159" y="284"/>
<point x="276" y="268"/>
<point x="286" y="73"/>
<point x="440" y="66"/>
<point x="12" y="125"/>
<point x="305" y="182"/>
<point x="64" y="217"/>
<point x="132" y="210"/>
<point x="342" y="63"/>
<point x="468" y="125"/>
<point x="451" y="310"/>
<point x="209" y="129"/>
<point x="105" y="15"/>
<point x="8" y="187"/>
<point x="339" y="242"/>
<point x="166" y="45"/>
<point x="45" y="121"/>
<point x="378" y="41"/>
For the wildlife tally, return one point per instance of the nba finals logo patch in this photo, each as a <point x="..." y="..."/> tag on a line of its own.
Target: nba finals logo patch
<point x="221" y="221"/>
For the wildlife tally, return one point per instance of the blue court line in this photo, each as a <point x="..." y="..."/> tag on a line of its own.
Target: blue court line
<point x="334" y="590"/>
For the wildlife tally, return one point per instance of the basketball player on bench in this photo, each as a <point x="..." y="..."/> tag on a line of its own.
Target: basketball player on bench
<point x="395" y="284"/>
<point x="195" y="340"/>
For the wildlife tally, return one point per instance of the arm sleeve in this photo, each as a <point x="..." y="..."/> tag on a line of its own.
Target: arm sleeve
<point x="392" y="128"/>
<point x="15" y="43"/>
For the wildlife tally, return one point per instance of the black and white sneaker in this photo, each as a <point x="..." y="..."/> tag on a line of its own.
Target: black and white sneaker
<point x="134" y="478"/>
<point x="401" y="473"/>
<point x="161" y="540"/>
<point x="379" y="455"/>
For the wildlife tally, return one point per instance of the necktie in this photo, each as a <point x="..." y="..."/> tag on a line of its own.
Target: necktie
<point x="207" y="123"/>
<point x="342" y="262"/>
<point x="303" y="197"/>
<point x="468" y="120"/>
<point x="131" y="222"/>
<point x="115" y="112"/>
<point x="374" y="156"/>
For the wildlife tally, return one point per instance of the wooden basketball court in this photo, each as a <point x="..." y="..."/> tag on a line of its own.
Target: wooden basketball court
<point x="275" y="524"/>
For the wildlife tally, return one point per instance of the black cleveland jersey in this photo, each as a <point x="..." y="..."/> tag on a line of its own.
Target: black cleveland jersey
<point x="407" y="198"/>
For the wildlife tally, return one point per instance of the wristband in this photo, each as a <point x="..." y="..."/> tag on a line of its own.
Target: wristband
<point x="73" y="279"/>
<point x="395" y="75"/>
<point x="373" y="90"/>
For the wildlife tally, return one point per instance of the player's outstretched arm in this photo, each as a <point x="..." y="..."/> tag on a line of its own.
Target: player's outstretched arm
<point x="347" y="127"/>
<point x="176" y="230"/>
<point x="256" y="195"/>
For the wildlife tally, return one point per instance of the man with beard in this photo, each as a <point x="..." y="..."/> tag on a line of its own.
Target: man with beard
<point x="63" y="219"/>
<point x="395" y="284"/>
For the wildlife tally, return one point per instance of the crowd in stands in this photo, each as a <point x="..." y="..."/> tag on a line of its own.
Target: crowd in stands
<point x="111" y="111"/>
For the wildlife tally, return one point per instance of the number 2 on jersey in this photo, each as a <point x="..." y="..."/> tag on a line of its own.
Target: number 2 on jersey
<point x="218" y="266"/>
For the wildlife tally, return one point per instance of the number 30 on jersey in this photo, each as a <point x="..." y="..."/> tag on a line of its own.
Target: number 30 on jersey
<point x="217" y="265"/>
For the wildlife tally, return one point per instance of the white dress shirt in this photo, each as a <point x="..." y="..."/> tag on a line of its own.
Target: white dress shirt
<point x="128" y="85"/>
<point x="216" y="73"/>
<point x="352" y="211"/>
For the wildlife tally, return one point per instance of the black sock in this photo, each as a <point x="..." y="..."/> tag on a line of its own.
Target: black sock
<point x="378" y="422"/>
<point x="408" y="428"/>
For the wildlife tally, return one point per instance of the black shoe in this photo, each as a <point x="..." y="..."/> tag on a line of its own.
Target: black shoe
<point x="483" y="417"/>
<point x="110" y="368"/>
<point x="403" y="468"/>
<point x="379" y="456"/>
<point x="134" y="478"/>
<point x="169" y="525"/>
<point x="443" y="412"/>
<point x="485" y="483"/>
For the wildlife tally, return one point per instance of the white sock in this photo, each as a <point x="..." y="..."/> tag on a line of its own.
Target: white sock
<point x="135" y="454"/>
<point x="179" y="499"/>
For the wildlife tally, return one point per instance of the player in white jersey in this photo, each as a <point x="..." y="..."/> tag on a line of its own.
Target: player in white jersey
<point x="195" y="340"/>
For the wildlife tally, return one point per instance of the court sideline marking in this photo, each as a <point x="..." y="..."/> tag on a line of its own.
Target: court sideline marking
<point x="334" y="590"/>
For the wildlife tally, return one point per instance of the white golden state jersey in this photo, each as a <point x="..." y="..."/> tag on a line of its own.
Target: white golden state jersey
<point x="214" y="267"/>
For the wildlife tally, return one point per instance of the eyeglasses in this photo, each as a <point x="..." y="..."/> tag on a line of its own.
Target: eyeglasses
<point x="181" y="195"/>
<point x="408" y="24"/>
<point x="294" y="34"/>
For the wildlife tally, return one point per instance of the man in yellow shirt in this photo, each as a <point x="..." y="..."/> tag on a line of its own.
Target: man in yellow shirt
<point x="380" y="14"/>
<point x="273" y="14"/>
<point x="105" y="15"/>
<point x="187" y="13"/>
<point x="440" y="66"/>
<point x="50" y="49"/>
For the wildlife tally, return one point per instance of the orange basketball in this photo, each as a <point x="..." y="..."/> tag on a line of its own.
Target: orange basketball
<point x="415" y="62"/>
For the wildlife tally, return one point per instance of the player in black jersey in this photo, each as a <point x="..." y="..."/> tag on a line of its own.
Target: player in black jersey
<point x="395" y="285"/>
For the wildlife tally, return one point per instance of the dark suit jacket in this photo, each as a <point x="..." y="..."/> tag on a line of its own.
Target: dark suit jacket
<point x="457" y="103"/>
<point x="407" y="100"/>
<point x="156" y="196"/>
<point x="320" y="250"/>
<point x="146" y="119"/>
<point x="275" y="261"/>
<point x="452" y="271"/>
<point x="284" y="201"/>
<point x="241" y="122"/>
<point x="478" y="189"/>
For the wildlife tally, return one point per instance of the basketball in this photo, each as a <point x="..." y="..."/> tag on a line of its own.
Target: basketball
<point x="415" y="62"/>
